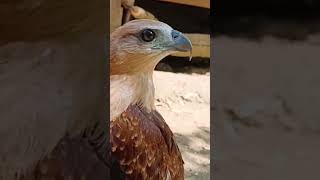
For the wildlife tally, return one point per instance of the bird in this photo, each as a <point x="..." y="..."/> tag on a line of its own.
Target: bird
<point x="52" y="111"/>
<point x="141" y="141"/>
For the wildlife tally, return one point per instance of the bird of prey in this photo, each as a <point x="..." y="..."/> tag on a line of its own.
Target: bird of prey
<point x="142" y="144"/>
<point x="52" y="110"/>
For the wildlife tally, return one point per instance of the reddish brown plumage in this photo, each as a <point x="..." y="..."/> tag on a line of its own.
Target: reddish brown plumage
<point x="71" y="159"/>
<point x="144" y="145"/>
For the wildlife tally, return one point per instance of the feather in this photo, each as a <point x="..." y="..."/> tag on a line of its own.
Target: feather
<point x="71" y="159"/>
<point x="142" y="143"/>
<point x="153" y="152"/>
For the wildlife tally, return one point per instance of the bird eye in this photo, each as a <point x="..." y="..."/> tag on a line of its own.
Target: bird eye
<point x="148" y="35"/>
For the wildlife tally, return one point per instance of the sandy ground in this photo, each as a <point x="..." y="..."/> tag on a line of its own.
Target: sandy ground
<point x="266" y="109"/>
<point x="184" y="102"/>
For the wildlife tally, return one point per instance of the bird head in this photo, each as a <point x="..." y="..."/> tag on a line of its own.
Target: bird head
<point x="139" y="45"/>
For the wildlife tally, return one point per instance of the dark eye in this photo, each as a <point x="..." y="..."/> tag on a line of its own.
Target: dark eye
<point x="148" y="35"/>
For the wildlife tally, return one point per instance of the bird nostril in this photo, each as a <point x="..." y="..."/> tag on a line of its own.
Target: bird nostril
<point x="175" y="34"/>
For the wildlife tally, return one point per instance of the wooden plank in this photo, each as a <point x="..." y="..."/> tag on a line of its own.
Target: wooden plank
<point x="200" y="46"/>
<point x="115" y="14"/>
<point x="198" y="3"/>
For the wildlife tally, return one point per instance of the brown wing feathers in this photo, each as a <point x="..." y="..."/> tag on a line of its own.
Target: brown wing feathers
<point x="144" y="145"/>
<point x="71" y="159"/>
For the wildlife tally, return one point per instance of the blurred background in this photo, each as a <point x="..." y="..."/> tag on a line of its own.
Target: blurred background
<point x="182" y="86"/>
<point x="266" y="89"/>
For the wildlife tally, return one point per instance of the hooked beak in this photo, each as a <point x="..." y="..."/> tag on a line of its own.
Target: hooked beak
<point x="181" y="42"/>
